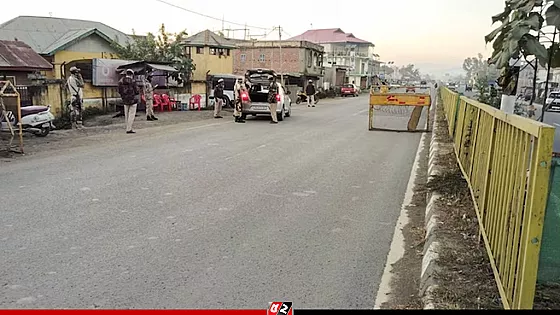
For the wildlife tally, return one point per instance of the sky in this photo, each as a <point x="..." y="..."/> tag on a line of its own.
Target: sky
<point x="435" y="35"/>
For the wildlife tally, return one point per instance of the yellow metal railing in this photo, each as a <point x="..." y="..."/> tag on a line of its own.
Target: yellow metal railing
<point x="506" y="160"/>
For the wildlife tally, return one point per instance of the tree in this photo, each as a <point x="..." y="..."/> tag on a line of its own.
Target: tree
<point x="473" y="65"/>
<point x="387" y="70"/>
<point x="515" y="37"/>
<point x="164" y="47"/>
<point x="409" y="73"/>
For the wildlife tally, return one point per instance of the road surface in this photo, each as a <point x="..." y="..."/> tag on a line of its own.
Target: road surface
<point x="208" y="215"/>
<point x="553" y="119"/>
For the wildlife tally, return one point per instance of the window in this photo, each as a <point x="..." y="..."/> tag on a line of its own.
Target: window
<point x="261" y="58"/>
<point x="85" y="69"/>
<point x="213" y="51"/>
<point x="200" y="50"/>
<point x="319" y="60"/>
<point x="243" y="58"/>
<point x="223" y="52"/>
<point x="310" y="59"/>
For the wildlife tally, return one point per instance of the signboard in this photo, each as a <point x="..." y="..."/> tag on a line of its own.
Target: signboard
<point x="105" y="71"/>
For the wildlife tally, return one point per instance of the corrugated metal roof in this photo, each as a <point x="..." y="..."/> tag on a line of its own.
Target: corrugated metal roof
<point x="329" y="35"/>
<point x="42" y="32"/>
<point x="209" y="38"/>
<point x="18" y="55"/>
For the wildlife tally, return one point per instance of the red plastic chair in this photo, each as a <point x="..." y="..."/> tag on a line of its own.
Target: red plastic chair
<point x="158" y="102"/>
<point x="167" y="101"/>
<point x="156" y="105"/>
<point x="195" y="100"/>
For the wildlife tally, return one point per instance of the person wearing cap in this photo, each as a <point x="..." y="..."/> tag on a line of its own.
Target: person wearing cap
<point x="128" y="91"/>
<point x="148" y="91"/>
<point x="75" y="85"/>
<point x="218" y="98"/>
<point x="310" y="91"/>
<point x="272" y="101"/>
<point x="240" y="87"/>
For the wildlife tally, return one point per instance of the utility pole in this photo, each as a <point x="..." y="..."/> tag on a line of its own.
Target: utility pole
<point x="281" y="61"/>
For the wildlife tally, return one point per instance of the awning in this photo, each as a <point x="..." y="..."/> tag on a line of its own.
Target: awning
<point x="141" y="66"/>
<point x="162" y="67"/>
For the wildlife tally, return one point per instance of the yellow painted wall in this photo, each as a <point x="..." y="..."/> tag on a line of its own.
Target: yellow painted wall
<point x="198" y="88"/>
<point x="69" y="56"/>
<point x="92" y="94"/>
<point x="214" y="63"/>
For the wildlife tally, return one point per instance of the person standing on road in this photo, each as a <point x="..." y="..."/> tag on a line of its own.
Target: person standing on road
<point x="76" y="88"/>
<point x="272" y="101"/>
<point x="218" y="98"/>
<point x="310" y="91"/>
<point x="129" y="91"/>
<point x="148" y="90"/>
<point x="239" y="88"/>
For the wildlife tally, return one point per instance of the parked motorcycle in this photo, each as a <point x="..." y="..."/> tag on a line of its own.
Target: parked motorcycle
<point x="302" y="97"/>
<point x="37" y="120"/>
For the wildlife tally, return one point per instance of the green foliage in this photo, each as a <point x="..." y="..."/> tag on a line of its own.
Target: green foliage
<point x="163" y="47"/>
<point x="487" y="94"/>
<point x="515" y="37"/>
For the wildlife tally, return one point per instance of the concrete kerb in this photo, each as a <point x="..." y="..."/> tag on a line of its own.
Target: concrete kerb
<point x="428" y="283"/>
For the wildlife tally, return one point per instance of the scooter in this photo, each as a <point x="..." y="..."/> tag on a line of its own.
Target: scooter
<point x="37" y="120"/>
<point x="302" y="97"/>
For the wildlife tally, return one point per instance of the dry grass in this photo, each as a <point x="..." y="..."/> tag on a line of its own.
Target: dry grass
<point x="465" y="275"/>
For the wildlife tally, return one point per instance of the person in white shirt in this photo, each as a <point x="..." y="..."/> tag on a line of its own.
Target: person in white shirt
<point x="75" y="85"/>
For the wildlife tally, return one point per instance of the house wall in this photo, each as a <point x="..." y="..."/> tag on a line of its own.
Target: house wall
<point x="86" y="49"/>
<point x="302" y="60"/>
<point x="20" y="77"/>
<point x="205" y="61"/>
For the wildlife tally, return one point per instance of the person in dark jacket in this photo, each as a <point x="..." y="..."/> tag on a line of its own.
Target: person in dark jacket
<point x="129" y="91"/>
<point x="218" y="98"/>
<point x="310" y="92"/>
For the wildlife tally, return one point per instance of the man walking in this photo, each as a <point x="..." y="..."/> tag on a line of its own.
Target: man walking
<point x="218" y="98"/>
<point x="76" y="88"/>
<point x="128" y="91"/>
<point x="272" y="101"/>
<point x="239" y="88"/>
<point x="148" y="90"/>
<point x="310" y="91"/>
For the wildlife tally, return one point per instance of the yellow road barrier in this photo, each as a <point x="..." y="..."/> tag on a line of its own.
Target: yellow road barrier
<point x="418" y="100"/>
<point x="506" y="161"/>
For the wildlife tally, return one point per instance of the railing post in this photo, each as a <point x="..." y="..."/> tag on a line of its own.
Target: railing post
<point x="457" y="103"/>
<point x="533" y="219"/>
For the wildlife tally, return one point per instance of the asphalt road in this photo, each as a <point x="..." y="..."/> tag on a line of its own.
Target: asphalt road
<point x="208" y="215"/>
<point x="553" y="119"/>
